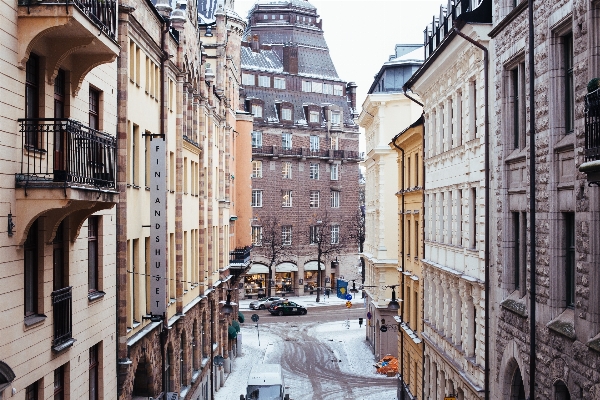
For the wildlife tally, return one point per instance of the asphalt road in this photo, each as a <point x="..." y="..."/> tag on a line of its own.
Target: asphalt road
<point x="315" y="314"/>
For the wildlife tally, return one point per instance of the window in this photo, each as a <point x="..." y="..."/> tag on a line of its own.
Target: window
<point x="286" y="235"/>
<point x="335" y="234"/>
<point x="59" y="384"/>
<point x="59" y="98"/>
<point x="313" y="116"/>
<point x="93" y="254"/>
<point x="94" y="111"/>
<point x="516" y="104"/>
<point x="334" y="171"/>
<point x="334" y="143"/>
<point x="314" y="198"/>
<point x="338" y="90"/>
<point x="473" y="218"/>
<point x="31" y="270"/>
<point x="286" y="171"/>
<point x="279" y="83"/>
<point x="31" y="391"/>
<point x="93" y="372"/>
<point x="256" y="198"/>
<point x="569" y="250"/>
<point x="306" y="86"/>
<point x="314" y="171"/>
<point x="314" y="143"/>
<point x="314" y="234"/>
<point x="256" y="139"/>
<point x="257" y="235"/>
<point x="569" y="86"/>
<point x="286" y="140"/>
<point x="327" y="88"/>
<point x="317" y="87"/>
<point x="335" y="199"/>
<point x="248" y="79"/>
<point x="257" y="169"/>
<point x="286" y="198"/>
<point x="286" y="114"/>
<point x="33" y="137"/>
<point x="335" y="118"/>
<point x="264" y="81"/>
<point x="473" y="104"/>
<point x="257" y="110"/>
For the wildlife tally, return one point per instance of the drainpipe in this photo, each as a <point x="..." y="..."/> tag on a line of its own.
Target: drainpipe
<point x="402" y="252"/>
<point x="532" y="247"/>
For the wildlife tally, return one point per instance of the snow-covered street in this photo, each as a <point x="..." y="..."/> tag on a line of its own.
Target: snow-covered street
<point x="321" y="361"/>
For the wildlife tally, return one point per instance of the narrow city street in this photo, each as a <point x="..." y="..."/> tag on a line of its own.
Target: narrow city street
<point x="322" y="355"/>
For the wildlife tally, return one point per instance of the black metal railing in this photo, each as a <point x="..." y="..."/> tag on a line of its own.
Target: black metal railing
<point x="241" y="255"/>
<point x="64" y="150"/>
<point x="103" y="13"/>
<point x="62" y="311"/>
<point x="592" y="126"/>
<point x="442" y="24"/>
<point x="276" y="151"/>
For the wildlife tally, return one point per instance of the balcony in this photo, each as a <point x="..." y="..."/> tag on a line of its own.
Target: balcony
<point x="591" y="165"/>
<point x="240" y="256"/>
<point x="276" y="151"/>
<point x="62" y="311"/>
<point x="80" y="34"/>
<point x="66" y="169"/>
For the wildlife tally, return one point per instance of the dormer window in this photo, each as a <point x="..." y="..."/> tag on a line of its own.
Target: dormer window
<point x="317" y="87"/>
<point x="257" y="110"/>
<point x="286" y="114"/>
<point x="248" y="79"/>
<point x="335" y="118"/>
<point x="264" y="81"/>
<point x="313" y="116"/>
<point x="338" y="90"/>
<point x="327" y="88"/>
<point x="265" y="16"/>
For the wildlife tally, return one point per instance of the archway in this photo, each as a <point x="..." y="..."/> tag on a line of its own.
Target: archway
<point x="517" y="390"/>
<point x="142" y="381"/>
<point x="561" y="392"/>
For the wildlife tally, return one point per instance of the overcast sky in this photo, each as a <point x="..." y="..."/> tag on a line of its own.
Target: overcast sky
<point x="362" y="34"/>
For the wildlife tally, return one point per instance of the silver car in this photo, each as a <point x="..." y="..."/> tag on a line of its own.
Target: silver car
<point x="264" y="303"/>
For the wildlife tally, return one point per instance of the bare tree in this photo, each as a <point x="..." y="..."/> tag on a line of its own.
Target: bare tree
<point x="328" y="236"/>
<point x="274" y="244"/>
<point x="358" y="232"/>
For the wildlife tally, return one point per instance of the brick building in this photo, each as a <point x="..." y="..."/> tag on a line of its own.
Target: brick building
<point x="305" y="146"/>
<point x="566" y="334"/>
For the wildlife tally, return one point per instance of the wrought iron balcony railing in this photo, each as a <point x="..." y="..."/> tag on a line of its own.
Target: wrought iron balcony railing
<point x="103" y="13"/>
<point x="276" y="151"/>
<point x="64" y="150"/>
<point x="592" y="126"/>
<point x="240" y="255"/>
<point x="442" y="23"/>
<point x="62" y="311"/>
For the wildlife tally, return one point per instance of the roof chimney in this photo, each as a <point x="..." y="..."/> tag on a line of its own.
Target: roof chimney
<point x="351" y="93"/>
<point x="290" y="58"/>
<point x="254" y="44"/>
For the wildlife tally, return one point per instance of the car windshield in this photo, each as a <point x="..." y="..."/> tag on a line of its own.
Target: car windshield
<point x="272" y="392"/>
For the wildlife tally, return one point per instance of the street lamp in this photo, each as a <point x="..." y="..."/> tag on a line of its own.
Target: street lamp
<point x="393" y="304"/>
<point x="227" y="308"/>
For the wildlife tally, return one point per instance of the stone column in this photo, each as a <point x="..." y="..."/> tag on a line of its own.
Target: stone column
<point x="456" y="313"/>
<point x="477" y="295"/>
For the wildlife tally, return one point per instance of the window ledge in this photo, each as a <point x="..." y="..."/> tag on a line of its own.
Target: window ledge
<point x="34" y="319"/>
<point x="96" y="295"/>
<point x="64" y="346"/>
<point x="563" y="324"/>
<point x="516" y="306"/>
<point x="567" y="143"/>
<point x="517" y="155"/>
<point x="594" y="344"/>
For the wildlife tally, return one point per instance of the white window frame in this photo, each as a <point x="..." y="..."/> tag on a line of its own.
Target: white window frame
<point x="336" y="118"/>
<point x="248" y="79"/>
<point x="313" y="116"/>
<point x="317" y="87"/>
<point x="256" y="139"/>
<point x="327" y="88"/>
<point x="286" y="114"/>
<point x="279" y="83"/>
<point x="314" y="199"/>
<point x="257" y="169"/>
<point x="286" y="198"/>
<point x="306" y="86"/>
<point x="286" y="170"/>
<point x="264" y="81"/>
<point x="286" y="141"/>
<point x="334" y="172"/>
<point x="257" y="198"/>
<point x="335" y="234"/>
<point x="286" y="235"/>
<point x="257" y="235"/>
<point x="257" y="110"/>
<point x="335" y="199"/>
<point x="338" y="90"/>
<point x="314" y="171"/>
<point x="314" y="143"/>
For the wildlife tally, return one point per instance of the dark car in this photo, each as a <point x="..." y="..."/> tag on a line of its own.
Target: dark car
<point x="286" y="308"/>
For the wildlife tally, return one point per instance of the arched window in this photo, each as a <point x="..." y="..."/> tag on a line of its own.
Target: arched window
<point x="561" y="392"/>
<point x="517" y="390"/>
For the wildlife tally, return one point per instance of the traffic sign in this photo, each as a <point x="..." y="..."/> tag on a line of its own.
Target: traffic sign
<point x="254" y="317"/>
<point x="349" y="304"/>
<point x="383" y="328"/>
<point x="348" y="297"/>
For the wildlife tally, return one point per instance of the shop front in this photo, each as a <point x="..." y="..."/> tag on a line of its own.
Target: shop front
<point x="256" y="281"/>
<point x="285" y="277"/>
<point x="310" y="276"/>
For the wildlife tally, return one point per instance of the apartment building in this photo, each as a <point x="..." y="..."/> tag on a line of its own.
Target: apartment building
<point x="304" y="153"/>
<point x="59" y="114"/>
<point x="452" y="86"/>
<point x="408" y="145"/>
<point x="561" y="326"/>
<point x="385" y="112"/>
<point x="182" y="202"/>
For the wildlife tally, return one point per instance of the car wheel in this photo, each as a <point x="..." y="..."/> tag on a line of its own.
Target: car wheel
<point x="303" y="312"/>
<point x="280" y="313"/>
<point x="261" y="307"/>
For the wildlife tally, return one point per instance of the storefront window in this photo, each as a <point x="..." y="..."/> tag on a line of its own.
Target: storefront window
<point x="284" y="282"/>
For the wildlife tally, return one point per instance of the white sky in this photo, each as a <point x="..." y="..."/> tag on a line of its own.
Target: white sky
<point x="362" y="34"/>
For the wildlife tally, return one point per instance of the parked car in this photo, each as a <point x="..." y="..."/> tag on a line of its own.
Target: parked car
<point x="287" y="308"/>
<point x="264" y="303"/>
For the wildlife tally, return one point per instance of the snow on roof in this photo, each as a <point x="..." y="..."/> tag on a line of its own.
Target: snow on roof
<point x="297" y="3"/>
<point x="265" y="374"/>
<point x="415" y="55"/>
<point x="265" y="60"/>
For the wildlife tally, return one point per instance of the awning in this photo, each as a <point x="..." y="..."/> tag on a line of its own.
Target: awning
<point x="312" y="266"/>
<point x="286" y="267"/>
<point x="258" y="269"/>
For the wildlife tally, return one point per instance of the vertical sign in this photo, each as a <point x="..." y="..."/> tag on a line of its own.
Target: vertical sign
<point x="158" y="227"/>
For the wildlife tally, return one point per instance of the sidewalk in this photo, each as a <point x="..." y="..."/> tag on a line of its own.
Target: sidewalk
<point x="309" y="301"/>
